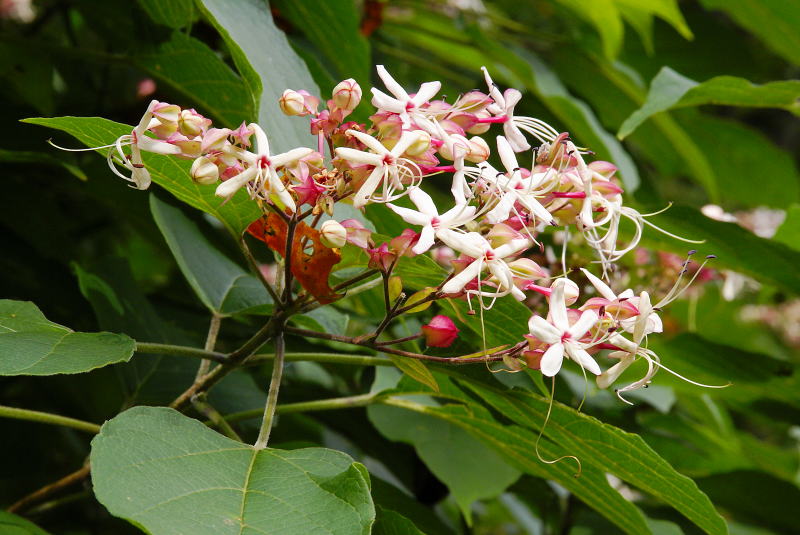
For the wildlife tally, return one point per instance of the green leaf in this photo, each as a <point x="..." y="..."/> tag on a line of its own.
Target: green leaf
<point x="175" y="13"/>
<point x="170" y="474"/>
<point x="640" y="15"/>
<point x="389" y="522"/>
<point x="192" y="68"/>
<point x="334" y="29"/>
<point x="265" y="59"/>
<point x="169" y="172"/>
<point x="32" y="345"/>
<point x="789" y="231"/>
<point x="606" y="19"/>
<point x="608" y="448"/>
<point x="417" y="370"/>
<point x="456" y="458"/>
<point x="221" y="284"/>
<point x="775" y="22"/>
<point x="734" y="247"/>
<point x="517" y="446"/>
<point x="11" y="524"/>
<point x="670" y="90"/>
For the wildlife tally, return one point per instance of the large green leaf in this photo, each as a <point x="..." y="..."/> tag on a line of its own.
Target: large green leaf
<point x="264" y="57"/>
<point x="789" y="231"/>
<point x="640" y="16"/>
<point x="32" y="345"/>
<point x="608" y="448"/>
<point x="11" y="524"/>
<point x="389" y="522"/>
<point x="775" y="22"/>
<point x="192" y="68"/>
<point x="222" y="285"/>
<point x="169" y="172"/>
<point x="456" y="458"/>
<point x="517" y="446"/>
<point x="670" y="90"/>
<point x="734" y="247"/>
<point x="171" y="474"/>
<point x="333" y="28"/>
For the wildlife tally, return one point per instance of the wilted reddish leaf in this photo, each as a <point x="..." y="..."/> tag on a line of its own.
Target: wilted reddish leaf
<point x="312" y="266"/>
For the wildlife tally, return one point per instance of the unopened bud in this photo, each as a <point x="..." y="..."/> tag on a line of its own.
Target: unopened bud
<point x="527" y="268"/>
<point x="347" y="94"/>
<point x="292" y="103"/>
<point x="440" y="332"/>
<point x="204" y="171"/>
<point x="191" y="123"/>
<point x="333" y="234"/>
<point x="422" y="144"/>
<point x="478" y="150"/>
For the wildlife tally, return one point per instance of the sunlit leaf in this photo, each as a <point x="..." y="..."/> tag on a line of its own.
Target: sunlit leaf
<point x="32" y="345"/>
<point x="170" y="474"/>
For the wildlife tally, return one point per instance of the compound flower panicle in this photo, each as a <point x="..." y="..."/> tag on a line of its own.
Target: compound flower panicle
<point x="497" y="220"/>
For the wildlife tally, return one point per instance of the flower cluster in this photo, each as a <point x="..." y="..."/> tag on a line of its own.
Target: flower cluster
<point x="491" y="229"/>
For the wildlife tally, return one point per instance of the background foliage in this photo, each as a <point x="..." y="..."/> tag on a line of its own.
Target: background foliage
<point x="693" y="100"/>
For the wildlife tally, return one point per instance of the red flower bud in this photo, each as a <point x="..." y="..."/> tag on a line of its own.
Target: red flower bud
<point x="440" y="332"/>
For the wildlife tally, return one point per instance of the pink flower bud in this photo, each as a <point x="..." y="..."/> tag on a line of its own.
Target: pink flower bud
<point x="204" y="171"/>
<point x="292" y="103"/>
<point x="333" y="234"/>
<point x="347" y="94"/>
<point x="440" y="332"/>
<point x="473" y="101"/>
<point x="381" y="258"/>
<point x="404" y="242"/>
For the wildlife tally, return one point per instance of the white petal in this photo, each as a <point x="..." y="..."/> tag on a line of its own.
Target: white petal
<point x="506" y="155"/>
<point x="384" y="102"/>
<point x="471" y="244"/>
<point x="262" y="143"/>
<point x="502" y="210"/>
<point x="232" y="185"/>
<point x="405" y="141"/>
<point x="457" y="216"/>
<point x="535" y="207"/>
<point x="359" y="156"/>
<point x="290" y="157"/>
<point x="391" y="84"/>
<point x="543" y="330"/>
<point x="426" y="92"/>
<point x="608" y="377"/>
<point x="423" y="201"/>
<point x="155" y="146"/>
<point x="410" y="216"/>
<point x="369" y="141"/>
<point x="426" y="240"/>
<point x="515" y="138"/>
<point x="457" y="283"/>
<point x="558" y="307"/>
<point x="601" y="286"/>
<point x="552" y="359"/>
<point x="368" y="188"/>
<point x="585" y="322"/>
<point x="583" y="358"/>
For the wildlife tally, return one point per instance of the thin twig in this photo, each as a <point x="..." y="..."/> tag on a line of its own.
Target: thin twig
<point x="202" y="405"/>
<point x="211" y="342"/>
<point x="348" y="402"/>
<point x="251" y="261"/>
<point x="39" y="495"/>
<point x="287" y="261"/>
<point x="180" y="351"/>
<point x="47" y="418"/>
<point x="492" y="357"/>
<point x="272" y="395"/>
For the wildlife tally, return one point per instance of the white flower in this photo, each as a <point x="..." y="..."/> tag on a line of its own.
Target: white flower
<point x="427" y="215"/>
<point x="476" y="246"/>
<point x="512" y="188"/>
<point x="389" y="166"/>
<point x="504" y="104"/>
<point x="562" y="337"/>
<point x="261" y="174"/>
<point x="650" y="321"/>
<point x="402" y="104"/>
